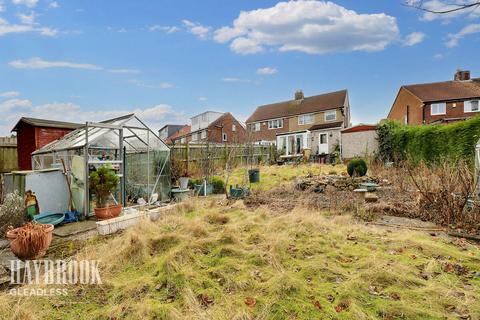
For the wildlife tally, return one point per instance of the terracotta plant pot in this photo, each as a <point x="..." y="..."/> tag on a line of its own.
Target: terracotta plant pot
<point x="108" y="212"/>
<point x="24" y="250"/>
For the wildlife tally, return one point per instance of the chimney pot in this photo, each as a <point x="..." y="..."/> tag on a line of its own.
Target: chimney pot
<point x="462" y="75"/>
<point x="299" y="95"/>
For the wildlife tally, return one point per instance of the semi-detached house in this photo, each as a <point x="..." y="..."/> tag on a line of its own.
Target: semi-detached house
<point x="305" y="122"/>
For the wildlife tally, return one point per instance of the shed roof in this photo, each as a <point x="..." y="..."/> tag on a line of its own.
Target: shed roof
<point x="316" y="103"/>
<point x="47" y="123"/>
<point x="360" y="127"/>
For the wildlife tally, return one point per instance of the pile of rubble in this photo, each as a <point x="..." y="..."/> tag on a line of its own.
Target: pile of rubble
<point x="319" y="183"/>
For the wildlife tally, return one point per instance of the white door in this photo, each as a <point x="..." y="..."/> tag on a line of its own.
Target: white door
<point x="323" y="143"/>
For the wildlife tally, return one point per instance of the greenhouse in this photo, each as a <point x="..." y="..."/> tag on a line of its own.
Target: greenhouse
<point x="127" y="145"/>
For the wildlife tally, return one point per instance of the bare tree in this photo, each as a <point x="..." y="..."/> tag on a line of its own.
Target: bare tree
<point x="448" y="8"/>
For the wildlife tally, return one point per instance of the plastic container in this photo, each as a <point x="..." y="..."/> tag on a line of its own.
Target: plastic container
<point x="254" y="175"/>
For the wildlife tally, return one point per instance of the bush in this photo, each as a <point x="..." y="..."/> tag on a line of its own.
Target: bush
<point x="357" y="168"/>
<point x="218" y="185"/>
<point x="428" y="143"/>
<point x="12" y="212"/>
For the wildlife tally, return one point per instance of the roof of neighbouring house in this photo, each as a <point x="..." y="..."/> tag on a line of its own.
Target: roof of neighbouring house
<point x="360" y="127"/>
<point x="326" y="125"/>
<point x="47" y="123"/>
<point x="446" y="90"/>
<point x="317" y="103"/>
<point x="180" y="133"/>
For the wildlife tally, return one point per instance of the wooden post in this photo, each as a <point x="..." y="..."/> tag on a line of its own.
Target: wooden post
<point x="187" y="156"/>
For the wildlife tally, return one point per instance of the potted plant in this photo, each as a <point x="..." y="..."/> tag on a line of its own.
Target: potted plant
<point x="103" y="183"/>
<point x="184" y="178"/>
<point x="30" y="241"/>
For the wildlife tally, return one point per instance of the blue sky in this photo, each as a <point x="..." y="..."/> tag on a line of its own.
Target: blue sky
<point x="168" y="60"/>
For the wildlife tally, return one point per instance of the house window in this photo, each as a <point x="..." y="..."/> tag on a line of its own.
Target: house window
<point x="182" y="140"/>
<point x="194" y="137"/>
<point x="204" y="134"/>
<point x="234" y="128"/>
<point x="438" y="108"/>
<point x="471" y="106"/>
<point x="305" y="119"/>
<point x="275" y="124"/>
<point x="331" y="115"/>
<point x="224" y="137"/>
<point x="256" y="126"/>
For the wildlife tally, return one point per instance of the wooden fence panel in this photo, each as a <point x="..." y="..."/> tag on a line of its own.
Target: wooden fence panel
<point x="8" y="154"/>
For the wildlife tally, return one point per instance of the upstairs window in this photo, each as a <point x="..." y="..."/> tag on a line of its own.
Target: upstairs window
<point x="438" y="108"/>
<point x="275" y="124"/>
<point x="331" y="115"/>
<point x="194" y="137"/>
<point x="224" y="137"/>
<point x="471" y="106"/>
<point x="234" y="128"/>
<point x="255" y="126"/>
<point x="204" y="134"/>
<point x="305" y="119"/>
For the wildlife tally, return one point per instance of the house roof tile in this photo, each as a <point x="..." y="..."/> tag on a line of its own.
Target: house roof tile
<point x="445" y="91"/>
<point x="317" y="103"/>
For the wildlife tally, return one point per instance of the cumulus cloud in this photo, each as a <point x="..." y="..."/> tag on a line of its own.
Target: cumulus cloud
<point x="9" y="94"/>
<point x="197" y="29"/>
<point x="309" y="26"/>
<point x="28" y="3"/>
<point x="2" y="6"/>
<point x="7" y="28"/>
<point x="414" y="38"/>
<point x="267" y="71"/>
<point x="234" y="79"/>
<point x="454" y="38"/>
<point x="53" y="4"/>
<point x="13" y="109"/>
<point x="27" y="18"/>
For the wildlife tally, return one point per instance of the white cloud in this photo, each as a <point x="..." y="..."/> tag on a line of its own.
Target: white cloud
<point x="53" y="4"/>
<point x="197" y="29"/>
<point x="163" y="85"/>
<point x="28" y="3"/>
<point x="308" y="26"/>
<point x="233" y="79"/>
<point x="454" y="38"/>
<point x="442" y="5"/>
<point x="202" y="99"/>
<point x="27" y="18"/>
<point x="267" y="71"/>
<point x="7" y="28"/>
<point x="128" y="71"/>
<point x="2" y="6"/>
<point x="438" y="56"/>
<point x="38" y="63"/>
<point x="166" y="29"/>
<point x="9" y="94"/>
<point x="155" y="116"/>
<point x="414" y="38"/>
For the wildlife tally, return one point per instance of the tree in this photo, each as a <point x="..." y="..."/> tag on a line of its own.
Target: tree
<point x="448" y="7"/>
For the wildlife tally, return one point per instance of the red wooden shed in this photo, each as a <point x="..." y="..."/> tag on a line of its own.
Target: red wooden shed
<point x="32" y="134"/>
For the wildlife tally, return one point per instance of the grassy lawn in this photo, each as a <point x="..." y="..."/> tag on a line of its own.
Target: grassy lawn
<point x="210" y="259"/>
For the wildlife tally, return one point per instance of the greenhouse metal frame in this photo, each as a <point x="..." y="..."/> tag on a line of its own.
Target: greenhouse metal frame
<point x="139" y="157"/>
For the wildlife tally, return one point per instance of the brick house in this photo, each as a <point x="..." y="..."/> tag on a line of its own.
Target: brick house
<point x="302" y="123"/>
<point x="213" y="127"/>
<point x="32" y="134"/>
<point x="169" y="130"/>
<point x="437" y="102"/>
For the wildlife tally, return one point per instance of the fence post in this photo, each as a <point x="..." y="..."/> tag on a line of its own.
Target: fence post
<point x="187" y="156"/>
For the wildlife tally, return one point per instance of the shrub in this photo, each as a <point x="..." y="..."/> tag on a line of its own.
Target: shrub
<point x="218" y="185"/>
<point x="357" y="168"/>
<point x="12" y="212"/>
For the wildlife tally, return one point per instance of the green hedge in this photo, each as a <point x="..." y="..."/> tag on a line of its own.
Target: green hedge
<point x="428" y="143"/>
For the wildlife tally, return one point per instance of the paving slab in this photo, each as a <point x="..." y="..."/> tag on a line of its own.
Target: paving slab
<point x="74" y="228"/>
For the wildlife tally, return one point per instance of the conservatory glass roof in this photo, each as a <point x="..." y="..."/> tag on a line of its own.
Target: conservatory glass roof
<point x="137" y="136"/>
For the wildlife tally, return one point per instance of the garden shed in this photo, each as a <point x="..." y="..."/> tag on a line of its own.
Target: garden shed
<point x="138" y="156"/>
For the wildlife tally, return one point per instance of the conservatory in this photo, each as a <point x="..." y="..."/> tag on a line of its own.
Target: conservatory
<point x="138" y="156"/>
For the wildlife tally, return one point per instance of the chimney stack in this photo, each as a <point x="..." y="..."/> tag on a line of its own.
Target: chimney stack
<point x="462" y="75"/>
<point x="299" y="95"/>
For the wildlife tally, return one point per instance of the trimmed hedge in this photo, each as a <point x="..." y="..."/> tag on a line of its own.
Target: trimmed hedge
<point x="357" y="168"/>
<point x="429" y="143"/>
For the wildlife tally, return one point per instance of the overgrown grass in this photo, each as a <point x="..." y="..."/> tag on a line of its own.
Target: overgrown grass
<point x="205" y="259"/>
<point x="273" y="176"/>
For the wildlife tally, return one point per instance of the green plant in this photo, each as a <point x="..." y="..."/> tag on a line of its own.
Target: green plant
<point x="218" y="185"/>
<point x="357" y="168"/>
<point x="102" y="183"/>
